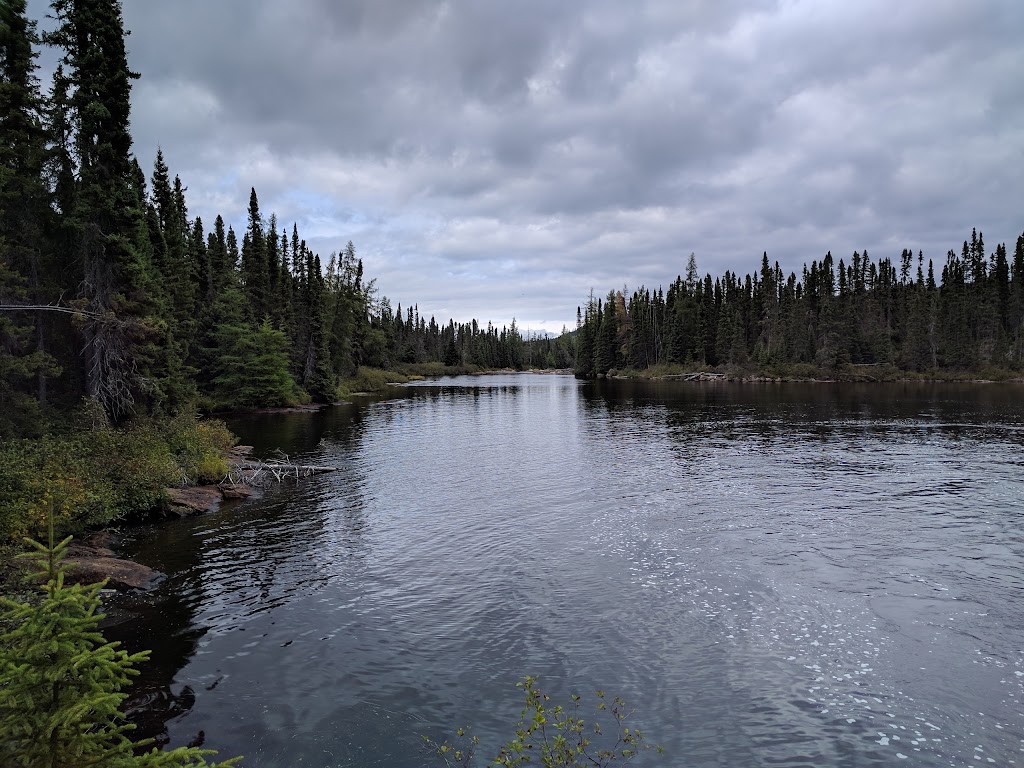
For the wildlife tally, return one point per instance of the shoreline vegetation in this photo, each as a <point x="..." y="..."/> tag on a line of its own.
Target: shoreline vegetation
<point x="867" y="373"/>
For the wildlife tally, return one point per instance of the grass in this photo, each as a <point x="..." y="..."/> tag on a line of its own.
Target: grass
<point x="369" y="380"/>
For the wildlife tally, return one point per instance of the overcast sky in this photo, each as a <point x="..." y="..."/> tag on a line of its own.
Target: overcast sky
<point x="498" y="159"/>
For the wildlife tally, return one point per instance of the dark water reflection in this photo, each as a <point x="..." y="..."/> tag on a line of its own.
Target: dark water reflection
<point x="773" y="574"/>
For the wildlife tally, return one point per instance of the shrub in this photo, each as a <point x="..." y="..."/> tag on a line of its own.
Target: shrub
<point x="370" y="380"/>
<point x="198" y="448"/>
<point x="97" y="476"/>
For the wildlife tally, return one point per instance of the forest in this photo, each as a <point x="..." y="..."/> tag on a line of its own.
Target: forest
<point x="829" y="321"/>
<point x="111" y="292"/>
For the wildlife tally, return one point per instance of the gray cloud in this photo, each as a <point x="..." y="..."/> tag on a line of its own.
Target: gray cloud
<point x="494" y="159"/>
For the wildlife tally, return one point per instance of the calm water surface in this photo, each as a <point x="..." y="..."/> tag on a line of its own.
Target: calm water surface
<point x="772" y="574"/>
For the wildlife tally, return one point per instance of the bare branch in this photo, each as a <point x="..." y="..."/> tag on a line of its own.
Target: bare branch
<point x="47" y="308"/>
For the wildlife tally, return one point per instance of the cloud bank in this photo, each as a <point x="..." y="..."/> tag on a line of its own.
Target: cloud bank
<point x="494" y="159"/>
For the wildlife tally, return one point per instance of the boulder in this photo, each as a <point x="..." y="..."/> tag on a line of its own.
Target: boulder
<point x="88" y="565"/>
<point x="100" y="540"/>
<point x="237" y="491"/>
<point x="194" y="500"/>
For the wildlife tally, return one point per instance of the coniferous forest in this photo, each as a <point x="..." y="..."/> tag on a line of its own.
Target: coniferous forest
<point x="833" y="318"/>
<point x="111" y="291"/>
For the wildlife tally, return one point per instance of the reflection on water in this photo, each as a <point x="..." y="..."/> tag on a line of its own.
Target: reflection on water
<point x="773" y="574"/>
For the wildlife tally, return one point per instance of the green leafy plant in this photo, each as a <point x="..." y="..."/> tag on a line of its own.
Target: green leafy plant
<point x="93" y="477"/>
<point x="555" y="736"/>
<point x="61" y="682"/>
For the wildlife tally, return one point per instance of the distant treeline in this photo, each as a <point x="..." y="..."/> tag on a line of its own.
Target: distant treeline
<point x="855" y="312"/>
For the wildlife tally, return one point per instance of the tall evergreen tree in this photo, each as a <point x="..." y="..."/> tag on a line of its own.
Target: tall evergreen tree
<point x="605" y="349"/>
<point x="585" y="332"/>
<point x="255" y="269"/>
<point x="119" y="286"/>
<point x="25" y="216"/>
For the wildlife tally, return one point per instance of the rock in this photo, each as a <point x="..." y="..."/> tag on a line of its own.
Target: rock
<point x="239" y="452"/>
<point x="194" y="500"/>
<point x="237" y="491"/>
<point x="87" y="566"/>
<point x="99" y="540"/>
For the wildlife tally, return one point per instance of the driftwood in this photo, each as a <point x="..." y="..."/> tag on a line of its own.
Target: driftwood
<point x="258" y="472"/>
<point x="48" y="308"/>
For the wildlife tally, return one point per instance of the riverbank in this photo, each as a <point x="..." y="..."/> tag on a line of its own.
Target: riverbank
<point x="850" y="373"/>
<point x="87" y="479"/>
<point x="92" y="555"/>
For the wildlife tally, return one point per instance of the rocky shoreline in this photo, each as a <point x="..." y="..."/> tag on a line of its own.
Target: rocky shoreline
<point x="92" y="558"/>
<point x="856" y="377"/>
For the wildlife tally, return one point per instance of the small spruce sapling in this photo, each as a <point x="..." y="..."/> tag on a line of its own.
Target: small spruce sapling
<point x="61" y="682"/>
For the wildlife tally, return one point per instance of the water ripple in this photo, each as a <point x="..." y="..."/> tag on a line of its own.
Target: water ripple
<point x="774" y="576"/>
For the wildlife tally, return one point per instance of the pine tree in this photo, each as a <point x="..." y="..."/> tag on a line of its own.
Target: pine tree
<point x="252" y="367"/>
<point x="19" y="363"/>
<point x="1015" y="312"/>
<point x="605" y="355"/>
<point x="61" y="682"/>
<point x="317" y="379"/>
<point x="585" y="331"/>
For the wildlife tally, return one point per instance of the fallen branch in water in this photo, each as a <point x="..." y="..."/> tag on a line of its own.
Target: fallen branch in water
<point x="259" y="472"/>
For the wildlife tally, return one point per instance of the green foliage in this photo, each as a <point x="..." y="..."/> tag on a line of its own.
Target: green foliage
<point x="557" y="737"/>
<point x="370" y="380"/>
<point x="61" y="682"/>
<point x="198" y="448"/>
<point x="830" y="321"/>
<point x="97" y="476"/>
<point x="253" y="367"/>
<point x="20" y="362"/>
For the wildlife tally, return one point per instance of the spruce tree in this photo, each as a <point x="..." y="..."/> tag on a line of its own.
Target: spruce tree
<point x="605" y="353"/>
<point x="317" y="378"/>
<point x="25" y="217"/>
<point x="1015" y="313"/>
<point x="19" y="362"/>
<point x="61" y="682"/>
<point x="586" y="331"/>
<point x="255" y="272"/>
<point x="251" y="366"/>
<point x="121" y="331"/>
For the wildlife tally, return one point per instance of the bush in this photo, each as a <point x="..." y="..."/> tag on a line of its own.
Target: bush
<point x="369" y="380"/>
<point x="198" y="448"/>
<point x="97" y="476"/>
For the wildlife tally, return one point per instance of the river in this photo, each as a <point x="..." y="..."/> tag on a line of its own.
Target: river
<point x="771" y="574"/>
